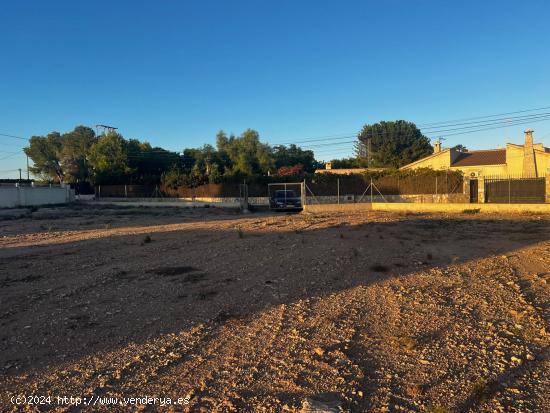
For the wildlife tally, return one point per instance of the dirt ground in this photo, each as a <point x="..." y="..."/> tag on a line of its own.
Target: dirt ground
<point x="359" y="312"/>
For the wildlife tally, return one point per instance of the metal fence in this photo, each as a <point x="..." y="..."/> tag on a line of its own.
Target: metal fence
<point x="513" y="190"/>
<point x="430" y="187"/>
<point x="439" y="187"/>
<point x="418" y="184"/>
<point x="127" y="191"/>
<point x="320" y="189"/>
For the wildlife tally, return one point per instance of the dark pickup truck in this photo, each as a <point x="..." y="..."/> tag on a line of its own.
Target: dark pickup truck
<point x="285" y="200"/>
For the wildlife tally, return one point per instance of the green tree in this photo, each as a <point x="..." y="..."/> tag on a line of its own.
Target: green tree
<point x="173" y="178"/>
<point x="148" y="163"/>
<point x="245" y="155"/>
<point x="46" y="155"/>
<point x="214" y="177"/>
<point x="75" y="148"/>
<point x="346" y="163"/>
<point x="61" y="157"/>
<point x="293" y="155"/>
<point x="460" y="148"/>
<point x="108" y="160"/>
<point x="394" y="144"/>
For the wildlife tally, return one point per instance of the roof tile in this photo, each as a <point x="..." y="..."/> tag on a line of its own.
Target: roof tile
<point x="486" y="157"/>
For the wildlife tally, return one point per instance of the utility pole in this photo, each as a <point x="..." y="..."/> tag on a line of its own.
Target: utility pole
<point x="19" y="175"/>
<point x="106" y="129"/>
<point x="371" y="192"/>
<point x="28" y="178"/>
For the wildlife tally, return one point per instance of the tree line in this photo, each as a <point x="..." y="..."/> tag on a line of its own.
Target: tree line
<point x="82" y="156"/>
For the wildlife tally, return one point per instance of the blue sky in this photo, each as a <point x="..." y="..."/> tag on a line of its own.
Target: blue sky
<point x="176" y="72"/>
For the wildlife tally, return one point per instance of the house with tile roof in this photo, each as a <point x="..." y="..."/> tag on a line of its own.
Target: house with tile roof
<point x="527" y="160"/>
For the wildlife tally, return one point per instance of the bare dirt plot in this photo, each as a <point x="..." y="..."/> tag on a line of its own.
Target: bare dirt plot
<point x="369" y="311"/>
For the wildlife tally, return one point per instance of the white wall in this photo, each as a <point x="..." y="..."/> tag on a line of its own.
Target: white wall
<point x="12" y="196"/>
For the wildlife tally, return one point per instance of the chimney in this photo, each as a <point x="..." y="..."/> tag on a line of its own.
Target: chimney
<point x="529" y="160"/>
<point x="328" y="165"/>
<point x="437" y="146"/>
<point x="529" y="137"/>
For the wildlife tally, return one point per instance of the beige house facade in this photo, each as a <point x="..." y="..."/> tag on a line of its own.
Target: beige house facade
<point x="527" y="160"/>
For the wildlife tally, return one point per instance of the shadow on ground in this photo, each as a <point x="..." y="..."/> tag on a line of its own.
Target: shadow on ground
<point x="74" y="302"/>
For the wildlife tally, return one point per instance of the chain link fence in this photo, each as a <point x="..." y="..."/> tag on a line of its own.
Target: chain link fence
<point x="430" y="187"/>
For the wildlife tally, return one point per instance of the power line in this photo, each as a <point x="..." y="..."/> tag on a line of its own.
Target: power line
<point x="496" y="125"/>
<point x="507" y="121"/>
<point x="332" y="149"/>
<point x="486" y="116"/>
<point x="12" y="155"/>
<point x="431" y="125"/>
<point x="12" y="136"/>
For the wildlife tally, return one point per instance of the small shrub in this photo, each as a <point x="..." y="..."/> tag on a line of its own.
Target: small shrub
<point x="407" y="343"/>
<point x="413" y="390"/>
<point x="480" y="391"/>
<point x="342" y="236"/>
<point x="147" y="239"/>
<point x="33" y="209"/>
<point x="432" y="408"/>
<point x="240" y="233"/>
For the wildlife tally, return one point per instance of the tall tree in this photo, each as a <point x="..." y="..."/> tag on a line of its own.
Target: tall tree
<point x="394" y="144"/>
<point x="294" y="155"/>
<point x="108" y="160"/>
<point x="247" y="156"/>
<point x="75" y="148"/>
<point x="46" y="154"/>
<point x="148" y="163"/>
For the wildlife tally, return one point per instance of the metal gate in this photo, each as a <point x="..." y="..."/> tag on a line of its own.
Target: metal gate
<point x="286" y="196"/>
<point x="515" y="190"/>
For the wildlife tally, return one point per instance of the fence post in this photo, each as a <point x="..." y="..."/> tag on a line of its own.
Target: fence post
<point x="99" y="195"/>
<point x="243" y="192"/>
<point x="304" y="196"/>
<point x="338" y="189"/>
<point x="125" y="191"/>
<point x="509" y="190"/>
